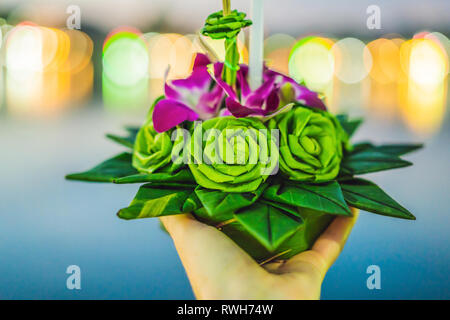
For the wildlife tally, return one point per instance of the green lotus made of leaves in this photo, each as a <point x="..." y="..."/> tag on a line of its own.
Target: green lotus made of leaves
<point x="233" y="155"/>
<point x="311" y="144"/>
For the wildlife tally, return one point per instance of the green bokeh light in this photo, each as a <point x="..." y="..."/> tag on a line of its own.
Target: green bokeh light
<point x="311" y="62"/>
<point x="125" y="59"/>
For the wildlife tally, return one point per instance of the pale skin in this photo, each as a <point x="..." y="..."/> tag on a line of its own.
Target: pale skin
<point x="219" y="269"/>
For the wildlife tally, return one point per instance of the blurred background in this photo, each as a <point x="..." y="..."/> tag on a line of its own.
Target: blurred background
<point x="73" y="70"/>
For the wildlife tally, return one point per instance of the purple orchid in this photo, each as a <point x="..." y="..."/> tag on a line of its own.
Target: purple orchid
<point x="189" y="99"/>
<point x="277" y="90"/>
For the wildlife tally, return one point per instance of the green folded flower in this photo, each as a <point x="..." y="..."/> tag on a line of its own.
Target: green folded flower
<point x="218" y="26"/>
<point x="311" y="143"/>
<point x="232" y="155"/>
<point x="155" y="151"/>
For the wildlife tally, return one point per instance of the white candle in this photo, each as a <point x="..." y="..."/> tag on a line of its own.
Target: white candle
<point x="256" y="44"/>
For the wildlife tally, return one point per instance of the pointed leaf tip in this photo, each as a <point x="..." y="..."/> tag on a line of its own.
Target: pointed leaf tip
<point x="366" y="195"/>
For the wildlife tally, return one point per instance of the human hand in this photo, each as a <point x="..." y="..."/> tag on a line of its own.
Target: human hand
<point x="218" y="268"/>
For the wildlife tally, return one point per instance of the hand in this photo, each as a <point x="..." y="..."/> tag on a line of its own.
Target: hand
<point x="219" y="269"/>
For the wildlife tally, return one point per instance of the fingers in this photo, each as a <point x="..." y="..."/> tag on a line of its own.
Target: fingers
<point x="209" y="256"/>
<point x="331" y="243"/>
<point x="325" y="250"/>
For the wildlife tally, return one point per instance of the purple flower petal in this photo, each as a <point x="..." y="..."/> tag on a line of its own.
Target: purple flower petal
<point x="267" y="98"/>
<point x="240" y="111"/>
<point x="272" y="101"/>
<point x="169" y="113"/>
<point x="209" y="103"/>
<point x="242" y="76"/>
<point x="199" y="79"/>
<point x="301" y="93"/>
<point x="311" y="99"/>
<point x="201" y="60"/>
<point x="194" y="92"/>
<point x="225" y="113"/>
<point x="218" y="69"/>
<point x="171" y="93"/>
<point x="260" y="95"/>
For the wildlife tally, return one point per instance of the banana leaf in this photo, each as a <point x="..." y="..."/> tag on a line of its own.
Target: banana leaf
<point x="326" y="197"/>
<point x="156" y="201"/>
<point x="366" y="195"/>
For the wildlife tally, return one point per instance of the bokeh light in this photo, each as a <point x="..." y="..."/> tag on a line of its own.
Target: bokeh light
<point x="423" y="91"/>
<point x="47" y="69"/>
<point x="2" y="86"/>
<point x="80" y="53"/>
<point x="117" y="97"/>
<point x="159" y="47"/>
<point x="172" y="53"/>
<point x="385" y="60"/>
<point x="277" y="49"/>
<point x="311" y="61"/>
<point x="391" y="78"/>
<point x="125" y="58"/>
<point x="23" y="47"/>
<point x="441" y="40"/>
<point x="423" y="107"/>
<point x="353" y="60"/>
<point x="23" y="92"/>
<point x="428" y="62"/>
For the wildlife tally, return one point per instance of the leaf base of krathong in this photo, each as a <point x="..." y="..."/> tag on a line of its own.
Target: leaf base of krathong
<point x="300" y="226"/>
<point x="301" y="240"/>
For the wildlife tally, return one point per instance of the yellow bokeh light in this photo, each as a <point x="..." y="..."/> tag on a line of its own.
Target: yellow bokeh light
<point x="81" y="84"/>
<point x="428" y="62"/>
<point x="80" y="54"/>
<point x="441" y="40"/>
<point x="277" y="49"/>
<point x="423" y="89"/>
<point x="55" y="49"/>
<point x="423" y="106"/>
<point x="170" y="52"/>
<point x="159" y="48"/>
<point x="386" y="60"/>
<point x="181" y="56"/>
<point x="41" y="77"/>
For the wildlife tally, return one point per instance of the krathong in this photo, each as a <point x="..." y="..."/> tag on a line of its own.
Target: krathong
<point x="269" y="165"/>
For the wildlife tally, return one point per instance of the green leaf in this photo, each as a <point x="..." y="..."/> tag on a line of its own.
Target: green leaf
<point x="349" y="126"/>
<point x="183" y="176"/>
<point x="326" y="197"/>
<point x="107" y="171"/>
<point x="127" y="141"/>
<point x="268" y="224"/>
<point x="132" y="130"/>
<point x="220" y="205"/>
<point x="367" y="196"/>
<point x="392" y="149"/>
<point x="367" y="161"/>
<point x="152" y="201"/>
